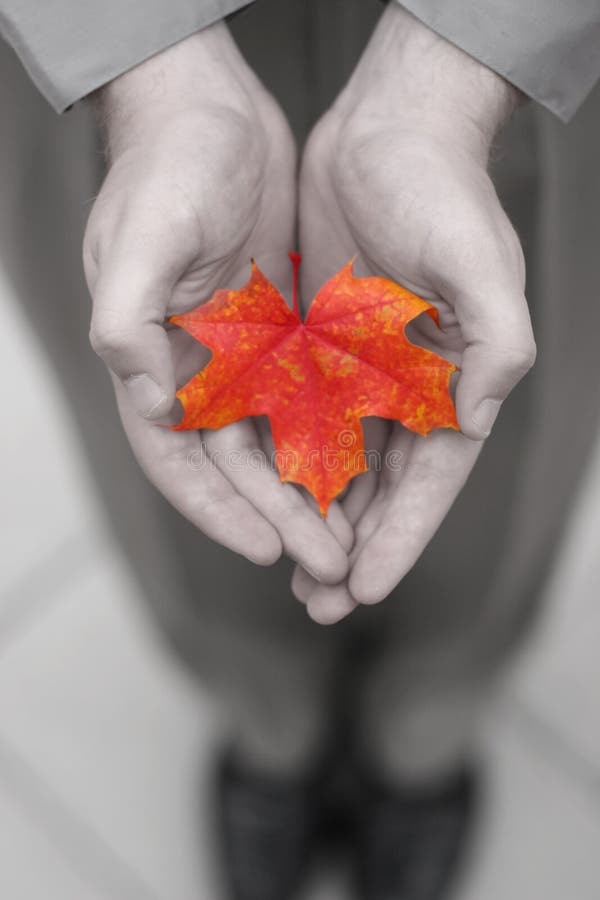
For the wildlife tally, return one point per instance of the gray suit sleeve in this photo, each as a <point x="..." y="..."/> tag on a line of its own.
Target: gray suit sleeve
<point x="72" y="47"/>
<point x="550" y="49"/>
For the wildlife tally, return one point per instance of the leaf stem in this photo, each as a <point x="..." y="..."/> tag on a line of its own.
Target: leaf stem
<point x="296" y="260"/>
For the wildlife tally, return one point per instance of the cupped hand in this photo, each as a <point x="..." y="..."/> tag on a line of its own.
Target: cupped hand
<point x="396" y="175"/>
<point x="201" y="178"/>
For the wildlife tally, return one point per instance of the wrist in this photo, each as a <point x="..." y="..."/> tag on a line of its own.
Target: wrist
<point x="412" y="79"/>
<point x="204" y="72"/>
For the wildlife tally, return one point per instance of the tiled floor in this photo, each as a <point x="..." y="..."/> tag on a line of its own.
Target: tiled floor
<point x="105" y="747"/>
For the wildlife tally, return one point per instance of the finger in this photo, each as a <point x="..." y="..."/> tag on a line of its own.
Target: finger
<point x="302" y="584"/>
<point x="494" y="321"/>
<point x="329" y="604"/>
<point x="395" y="458"/>
<point x="369" y="521"/>
<point x="476" y="267"/>
<point x="360" y="494"/>
<point x="362" y="489"/>
<point x="325" y="603"/>
<point x="176" y="463"/>
<point x="336" y="520"/>
<point x="437" y="468"/>
<point x="394" y="464"/>
<point x="130" y="296"/>
<point x="489" y="373"/>
<point x="305" y="536"/>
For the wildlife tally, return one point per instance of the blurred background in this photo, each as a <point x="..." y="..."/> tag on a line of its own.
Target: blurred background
<point x="106" y="746"/>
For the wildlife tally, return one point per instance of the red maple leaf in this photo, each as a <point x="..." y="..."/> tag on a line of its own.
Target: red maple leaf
<point x="316" y="379"/>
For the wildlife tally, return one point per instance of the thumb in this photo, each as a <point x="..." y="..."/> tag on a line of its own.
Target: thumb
<point x="500" y="351"/>
<point x="127" y="332"/>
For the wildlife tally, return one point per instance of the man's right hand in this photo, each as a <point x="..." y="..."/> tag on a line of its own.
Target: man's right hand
<point x="395" y="174"/>
<point x="201" y="178"/>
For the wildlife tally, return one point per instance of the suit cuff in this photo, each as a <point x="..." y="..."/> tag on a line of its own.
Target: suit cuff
<point x="71" y="48"/>
<point x="549" y="49"/>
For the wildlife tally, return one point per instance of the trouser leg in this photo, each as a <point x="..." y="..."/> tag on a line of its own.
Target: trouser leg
<point x="432" y="666"/>
<point x="419" y="721"/>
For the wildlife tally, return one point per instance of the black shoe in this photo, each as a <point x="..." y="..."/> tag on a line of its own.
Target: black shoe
<point x="411" y="841"/>
<point x="268" y="829"/>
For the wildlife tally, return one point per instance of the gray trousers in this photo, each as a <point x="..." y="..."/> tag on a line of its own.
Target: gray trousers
<point x="409" y="676"/>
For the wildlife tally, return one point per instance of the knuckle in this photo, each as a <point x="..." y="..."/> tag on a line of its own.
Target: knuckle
<point x="218" y="504"/>
<point x="109" y="336"/>
<point x="519" y="360"/>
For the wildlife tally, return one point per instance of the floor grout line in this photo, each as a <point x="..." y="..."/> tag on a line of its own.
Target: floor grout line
<point x="87" y="852"/>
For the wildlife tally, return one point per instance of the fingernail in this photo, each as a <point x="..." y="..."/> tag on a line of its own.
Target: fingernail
<point x="313" y="573"/>
<point x="485" y="415"/>
<point x="145" y="394"/>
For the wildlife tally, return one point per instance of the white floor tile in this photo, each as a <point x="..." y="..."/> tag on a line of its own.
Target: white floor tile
<point x="540" y="828"/>
<point x="119" y="737"/>
<point x="45" y="496"/>
<point x="558" y="678"/>
<point x="32" y="866"/>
